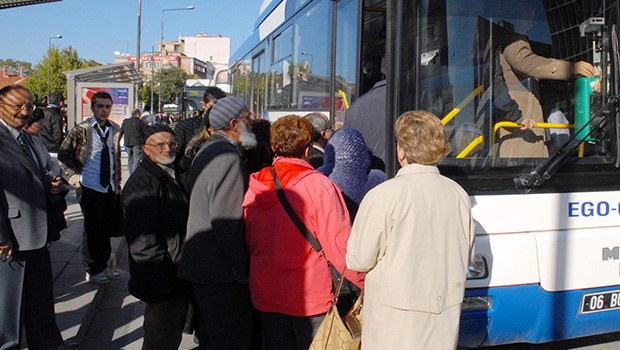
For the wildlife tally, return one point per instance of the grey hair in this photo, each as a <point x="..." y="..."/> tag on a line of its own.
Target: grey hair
<point x="319" y="123"/>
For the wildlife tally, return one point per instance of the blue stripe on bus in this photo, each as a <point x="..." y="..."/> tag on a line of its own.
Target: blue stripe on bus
<point x="529" y="314"/>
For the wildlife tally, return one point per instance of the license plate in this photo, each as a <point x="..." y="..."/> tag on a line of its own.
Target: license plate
<point x="596" y="302"/>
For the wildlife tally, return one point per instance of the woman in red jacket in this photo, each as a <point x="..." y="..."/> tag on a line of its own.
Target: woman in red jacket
<point x="290" y="283"/>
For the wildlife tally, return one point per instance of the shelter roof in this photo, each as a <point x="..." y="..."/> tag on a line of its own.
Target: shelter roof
<point x="5" y="4"/>
<point x="124" y="72"/>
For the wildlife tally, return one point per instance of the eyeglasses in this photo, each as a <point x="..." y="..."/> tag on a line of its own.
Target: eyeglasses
<point x="28" y="106"/>
<point x="160" y="146"/>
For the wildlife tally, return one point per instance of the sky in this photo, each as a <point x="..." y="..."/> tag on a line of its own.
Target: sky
<point x="97" y="28"/>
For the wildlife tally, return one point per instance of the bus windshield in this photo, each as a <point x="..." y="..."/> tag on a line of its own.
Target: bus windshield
<point x="486" y="69"/>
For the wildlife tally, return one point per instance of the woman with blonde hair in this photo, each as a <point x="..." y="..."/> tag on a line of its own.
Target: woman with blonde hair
<point x="414" y="235"/>
<point x="291" y="283"/>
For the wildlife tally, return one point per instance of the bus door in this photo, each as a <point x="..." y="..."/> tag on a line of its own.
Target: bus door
<point x="372" y="48"/>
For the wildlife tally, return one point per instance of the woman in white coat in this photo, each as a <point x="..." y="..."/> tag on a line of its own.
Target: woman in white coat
<point x="414" y="235"/>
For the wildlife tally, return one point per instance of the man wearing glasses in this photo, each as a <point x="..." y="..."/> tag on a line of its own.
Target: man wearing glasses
<point x="26" y="286"/>
<point x="90" y="156"/>
<point x="156" y="208"/>
<point x="322" y="130"/>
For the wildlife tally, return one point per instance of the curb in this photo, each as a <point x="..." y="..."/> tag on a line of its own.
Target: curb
<point x="94" y="305"/>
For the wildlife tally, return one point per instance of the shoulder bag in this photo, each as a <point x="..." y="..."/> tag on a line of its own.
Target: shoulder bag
<point x="333" y="333"/>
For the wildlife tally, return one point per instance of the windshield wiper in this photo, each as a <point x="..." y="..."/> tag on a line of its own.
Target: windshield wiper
<point x="547" y="169"/>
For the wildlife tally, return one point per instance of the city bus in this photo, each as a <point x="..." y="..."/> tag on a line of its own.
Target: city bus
<point x="547" y="224"/>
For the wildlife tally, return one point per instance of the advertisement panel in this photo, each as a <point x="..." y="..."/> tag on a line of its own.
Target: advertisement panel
<point x="121" y="107"/>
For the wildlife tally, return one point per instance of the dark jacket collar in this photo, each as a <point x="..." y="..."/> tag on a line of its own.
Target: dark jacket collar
<point x="153" y="168"/>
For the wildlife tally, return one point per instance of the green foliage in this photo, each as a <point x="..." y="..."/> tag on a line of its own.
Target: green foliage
<point x="16" y="64"/>
<point x="172" y="82"/>
<point x="145" y="94"/>
<point x="52" y="66"/>
<point x="90" y="63"/>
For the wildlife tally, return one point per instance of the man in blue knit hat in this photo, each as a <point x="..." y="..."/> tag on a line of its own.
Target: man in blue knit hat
<point x="215" y="258"/>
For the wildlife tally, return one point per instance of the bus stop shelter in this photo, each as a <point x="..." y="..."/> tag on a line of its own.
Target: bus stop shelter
<point x="119" y="80"/>
<point x="5" y="4"/>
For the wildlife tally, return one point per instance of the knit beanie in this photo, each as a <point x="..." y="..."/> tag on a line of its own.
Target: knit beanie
<point x="151" y="130"/>
<point x="351" y="170"/>
<point x="225" y="110"/>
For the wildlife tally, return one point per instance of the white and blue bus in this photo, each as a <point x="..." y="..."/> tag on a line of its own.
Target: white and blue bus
<point x="548" y="224"/>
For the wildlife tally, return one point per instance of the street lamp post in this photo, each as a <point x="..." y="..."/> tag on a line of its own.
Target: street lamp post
<point x="161" y="44"/>
<point x="152" y="78"/>
<point x="49" y="63"/>
<point x="304" y="53"/>
<point x="137" y="89"/>
<point x="188" y="8"/>
<point x="162" y="60"/>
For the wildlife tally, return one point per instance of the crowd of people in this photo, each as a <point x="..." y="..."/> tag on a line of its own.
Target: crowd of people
<point x="213" y="212"/>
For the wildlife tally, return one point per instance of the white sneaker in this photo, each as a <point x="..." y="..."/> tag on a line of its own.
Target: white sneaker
<point x="99" y="278"/>
<point x="111" y="274"/>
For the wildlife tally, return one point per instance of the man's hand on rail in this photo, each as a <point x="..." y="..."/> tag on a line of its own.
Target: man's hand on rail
<point x="528" y="124"/>
<point x="583" y="68"/>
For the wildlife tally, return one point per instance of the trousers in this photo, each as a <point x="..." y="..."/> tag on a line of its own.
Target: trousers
<point x="98" y="210"/>
<point x="27" y="297"/>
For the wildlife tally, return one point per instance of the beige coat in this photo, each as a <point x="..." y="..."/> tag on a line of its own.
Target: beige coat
<point x="415" y="236"/>
<point x="518" y="63"/>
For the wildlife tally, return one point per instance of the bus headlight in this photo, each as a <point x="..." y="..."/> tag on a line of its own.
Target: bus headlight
<point x="478" y="270"/>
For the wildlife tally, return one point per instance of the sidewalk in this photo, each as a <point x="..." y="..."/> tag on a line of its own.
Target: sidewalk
<point x="99" y="317"/>
<point x="76" y="301"/>
<point x="117" y="320"/>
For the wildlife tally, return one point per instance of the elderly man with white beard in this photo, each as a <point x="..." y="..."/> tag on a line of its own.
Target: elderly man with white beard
<point x="156" y="209"/>
<point x="215" y="259"/>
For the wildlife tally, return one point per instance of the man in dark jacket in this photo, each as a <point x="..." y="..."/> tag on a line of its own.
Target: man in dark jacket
<point x="52" y="133"/>
<point x="133" y="130"/>
<point x="215" y="259"/>
<point x="156" y="208"/>
<point x="322" y="130"/>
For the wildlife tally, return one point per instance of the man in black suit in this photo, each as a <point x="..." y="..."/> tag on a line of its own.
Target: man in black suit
<point x="133" y="130"/>
<point x="26" y="287"/>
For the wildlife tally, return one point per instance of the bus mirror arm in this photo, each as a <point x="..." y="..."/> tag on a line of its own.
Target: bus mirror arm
<point x="547" y="169"/>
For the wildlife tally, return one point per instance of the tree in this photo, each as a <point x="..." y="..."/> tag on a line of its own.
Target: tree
<point x="56" y="62"/>
<point x="172" y="81"/>
<point x="145" y="94"/>
<point x="89" y="63"/>
<point x="11" y="63"/>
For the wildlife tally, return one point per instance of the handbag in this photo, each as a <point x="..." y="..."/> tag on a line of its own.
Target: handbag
<point x="56" y="206"/>
<point x="348" y="292"/>
<point x="56" y="222"/>
<point x="336" y="334"/>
